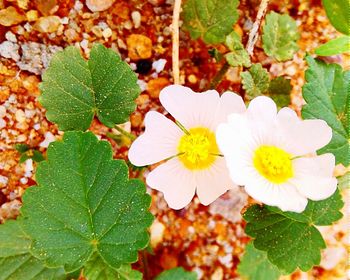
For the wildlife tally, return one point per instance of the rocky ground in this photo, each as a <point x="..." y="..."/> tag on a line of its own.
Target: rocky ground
<point x="208" y="240"/>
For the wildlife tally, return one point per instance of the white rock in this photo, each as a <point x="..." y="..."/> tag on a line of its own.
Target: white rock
<point x="159" y="65"/>
<point x="11" y="37"/>
<point x="142" y="84"/>
<point x="9" y="50"/>
<point x="3" y="180"/>
<point x="28" y="168"/>
<point x="99" y="5"/>
<point x="157" y="231"/>
<point x="2" y="111"/>
<point x="49" y="137"/>
<point x="136" y="18"/>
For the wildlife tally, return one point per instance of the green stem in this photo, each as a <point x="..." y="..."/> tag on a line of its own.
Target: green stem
<point x="131" y="136"/>
<point x="219" y="76"/>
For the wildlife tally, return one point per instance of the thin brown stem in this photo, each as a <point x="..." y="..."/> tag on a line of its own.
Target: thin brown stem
<point x="146" y="274"/>
<point x="175" y="39"/>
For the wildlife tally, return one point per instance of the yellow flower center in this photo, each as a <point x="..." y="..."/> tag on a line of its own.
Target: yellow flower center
<point x="198" y="149"/>
<point x="273" y="163"/>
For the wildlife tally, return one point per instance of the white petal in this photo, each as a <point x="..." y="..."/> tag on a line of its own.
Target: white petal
<point x="191" y="109"/>
<point x="284" y="196"/>
<point x="302" y="137"/>
<point x="314" y="176"/>
<point x="175" y="181"/>
<point x="213" y="182"/>
<point x="159" y="141"/>
<point x="230" y="103"/>
<point x="262" y="108"/>
<point x="236" y="143"/>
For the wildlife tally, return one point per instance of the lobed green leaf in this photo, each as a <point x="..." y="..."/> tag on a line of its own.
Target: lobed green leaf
<point x="238" y="56"/>
<point x="210" y="20"/>
<point x="327" y="94"/>
<point x="280" y="36"/>
<point x="75" y="90"/>
<point x="16" y="262"/>
<point x="84" y="203"/>
<point x="290" y="239"/>
<point x="338" y="13"/>
<point x="255" y="265"/>
<point x="176" y="274"/>
<point x="255" y="81"/>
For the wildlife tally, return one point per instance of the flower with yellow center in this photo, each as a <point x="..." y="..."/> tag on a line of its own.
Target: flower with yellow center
<point x="193" y="162"/>
<point x="273" y="155"/>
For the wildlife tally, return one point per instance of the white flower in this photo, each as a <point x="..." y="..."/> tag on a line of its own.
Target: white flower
<point x="194" y="163"/>
<point x="274" y="155"/>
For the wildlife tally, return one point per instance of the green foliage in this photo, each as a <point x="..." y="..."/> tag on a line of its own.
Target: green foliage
<point x="290" y="239"/>
<point x="177" y="274"/>
<point x="335" y="46"/>
<point x="21" y="148"/>
<point x="238" y="56"/>
<point x="214" y="53"/>
<point x="16" y="262"/>
<point x="279" y="90"/>
<point x="74" y="90"/>
<point x="327" y="94"/>
<point x="255" y="81"/>
<point x="338" y="13"/>
<point x="255" y="265"/>
<point x="210" y="20"/>
<point x="344" y="181"/>
<point x="280" y="36"/>
<point x="97" y="269"/>
<point x="84" y="203"/>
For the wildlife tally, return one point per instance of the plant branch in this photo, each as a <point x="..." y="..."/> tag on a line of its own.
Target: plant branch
<point x="175" y="39"/>
<point x="131" y="136"/>
<point x="219" y="76"/>
<point x="254" y="34"/>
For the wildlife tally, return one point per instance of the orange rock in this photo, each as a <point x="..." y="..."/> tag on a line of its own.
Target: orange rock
<point x="139" y="47"/>
<point x="156" y="85"/>
<point x="46" y="7"/>
<point x="10" y="16"/>
<point x="168" y="260"/>
<point x="47" y="24"/>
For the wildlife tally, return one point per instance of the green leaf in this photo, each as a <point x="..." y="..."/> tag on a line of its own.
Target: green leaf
<point x="238" y="55"/>
<point x="21" y="148"/>
<point x="84" y="203"/>
<point x="255" y="265"/>
<point x="74" y="90"/>
<point x="344" y="181"/>
<point x="279" y="90"/>
<point x="327" y="94"/>
<point x="211" y="20"/>
<point x="16" y="262"/>
<point x="338" y="13"/>
<point x="290" y="239"/>
<point x="336" y="46"/>
<point x="214" y="53"/>
<point x="255" y="81"/>
<point x="177" y="274"/>
<point x="97" y="269"/>
<point x="37" y="156"/>
<point x="280" y="36"/>
<point x="24" y="157"/>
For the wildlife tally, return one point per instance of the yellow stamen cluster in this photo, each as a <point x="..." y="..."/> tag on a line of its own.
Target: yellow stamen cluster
<point x="198" y="149"/>
<point x="273" y="163"/>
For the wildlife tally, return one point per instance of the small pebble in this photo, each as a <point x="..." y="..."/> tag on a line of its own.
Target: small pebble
<point x="47" y="24"/>
<point x="159" y="65"/>
<point x="10" y="16"/>
<point x="99" y="5"/>
<point x="107" y="33"/>
<point x="139" y="47"/>
<point x="156" y="85"/>
<point x="136" y="18"/>
<point x="49" y="137"/>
